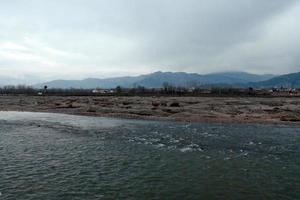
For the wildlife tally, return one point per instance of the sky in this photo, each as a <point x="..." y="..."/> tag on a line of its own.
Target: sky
<point x="42" y="40"/>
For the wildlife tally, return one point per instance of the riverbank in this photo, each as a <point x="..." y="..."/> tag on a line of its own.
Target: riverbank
<point x="188" y="109"/>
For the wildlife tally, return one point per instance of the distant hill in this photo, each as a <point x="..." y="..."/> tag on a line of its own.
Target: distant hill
<point x="91" y="83"/>
<point x="4" y="81"/>
<point x="156" y="80"/>
<point x="288" y="81"/>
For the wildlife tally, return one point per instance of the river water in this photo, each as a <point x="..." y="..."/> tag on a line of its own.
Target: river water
<point x="56" y="156"/>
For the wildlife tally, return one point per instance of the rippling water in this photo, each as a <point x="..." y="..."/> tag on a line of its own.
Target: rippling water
<point x="53" y="156"/>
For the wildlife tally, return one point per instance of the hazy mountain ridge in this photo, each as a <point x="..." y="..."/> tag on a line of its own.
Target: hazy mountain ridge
<point x="288" y="81"/>
<point x="6" y="80"/>
<point x="156" y="79"/>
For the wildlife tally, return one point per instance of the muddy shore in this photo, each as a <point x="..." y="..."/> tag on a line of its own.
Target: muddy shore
<point x="189" y="109"/>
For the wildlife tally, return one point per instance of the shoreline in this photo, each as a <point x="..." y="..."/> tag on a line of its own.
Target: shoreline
<point x="242" y="110"/>
<point x="158" y="119"/>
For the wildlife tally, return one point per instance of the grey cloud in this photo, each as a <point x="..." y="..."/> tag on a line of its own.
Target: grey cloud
<point x="140" y="36"/>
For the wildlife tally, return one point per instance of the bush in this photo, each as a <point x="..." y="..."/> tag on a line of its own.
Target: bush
<point x="174" y="104"/>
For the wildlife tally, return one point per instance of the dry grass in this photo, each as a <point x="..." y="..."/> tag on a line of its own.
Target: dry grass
<point x="218" y="109"/>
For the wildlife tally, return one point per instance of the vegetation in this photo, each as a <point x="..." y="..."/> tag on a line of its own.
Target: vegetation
<point x="166" y="90"/>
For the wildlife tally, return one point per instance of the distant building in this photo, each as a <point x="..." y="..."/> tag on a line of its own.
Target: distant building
<point x="103" y="91"/>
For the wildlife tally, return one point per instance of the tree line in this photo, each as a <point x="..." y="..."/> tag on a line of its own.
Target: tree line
<point x="165" y="90"/>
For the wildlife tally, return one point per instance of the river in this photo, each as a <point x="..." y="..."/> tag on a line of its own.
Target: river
<point x="57" y="156"/>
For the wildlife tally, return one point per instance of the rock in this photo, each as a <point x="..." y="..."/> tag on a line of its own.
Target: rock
<point x="164" y="103"/>
<point x="290" y="118"/>
<point x="91" y="109"/>
<point x="155" y="103"/>
<point x="125" y="103"/>
<point x="57" y="104"/>
<point x="174" y="104"/>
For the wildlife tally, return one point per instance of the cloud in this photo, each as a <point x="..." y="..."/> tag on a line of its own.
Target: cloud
<point x="97" y="38"/>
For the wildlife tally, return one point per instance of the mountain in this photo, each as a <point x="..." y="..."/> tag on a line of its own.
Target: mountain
<point x="5" y="80"/>
<point x="287" y="80"/>
<point x="157" y="79"/>
<point x="92" y="83"/>
<point x="239" y="77"/>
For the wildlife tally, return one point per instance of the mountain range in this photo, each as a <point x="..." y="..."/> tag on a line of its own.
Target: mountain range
<point x="287" y="81"/>
<point x="157" y="79"/>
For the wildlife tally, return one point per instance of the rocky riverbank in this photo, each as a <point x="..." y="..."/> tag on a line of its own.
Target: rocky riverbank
<point x="192" y="109"/>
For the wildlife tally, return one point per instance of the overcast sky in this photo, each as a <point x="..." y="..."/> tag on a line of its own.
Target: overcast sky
<point x="75" y="39"/>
